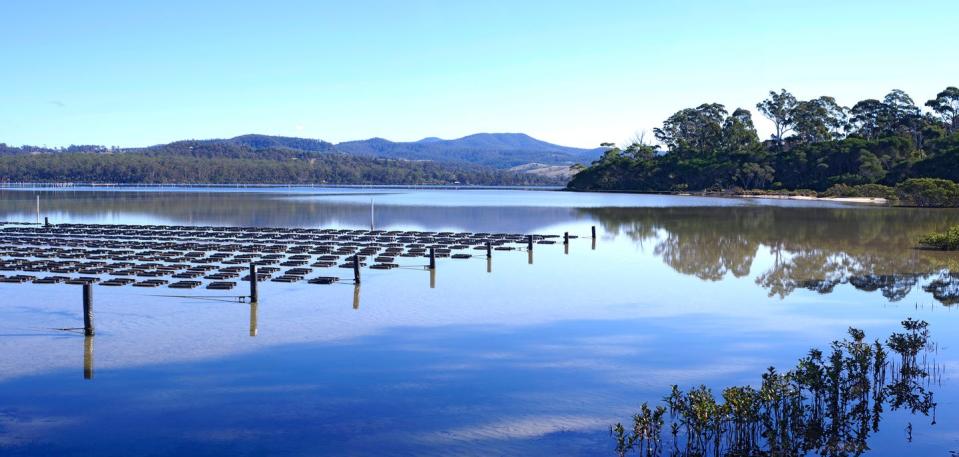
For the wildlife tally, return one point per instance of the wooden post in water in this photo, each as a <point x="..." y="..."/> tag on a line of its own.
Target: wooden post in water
<point x="356" y="269"/>
<point x="594" y="232"/>
<point x="38" y="209"/>
<point x="46" y="221"/>
<point x="88" y="357"/>
<point x="254" y="295"/>
<point x="432" y="259"/>
<point x="565" y="237"/>
<point x="489" y="250"/>
<point x="529" y="243"/>
<point x="88" y="310"/>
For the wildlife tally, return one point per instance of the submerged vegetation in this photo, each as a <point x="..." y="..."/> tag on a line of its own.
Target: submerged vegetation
<point x="829" y="404"/>
<point x="817" y="144"/>
<point x="945" y="241"/>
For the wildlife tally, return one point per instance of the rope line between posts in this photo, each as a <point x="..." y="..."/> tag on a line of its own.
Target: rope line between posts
<point x="77" y="330"/>
<point x="68" y="329"/>
<point x="219" y="298"/>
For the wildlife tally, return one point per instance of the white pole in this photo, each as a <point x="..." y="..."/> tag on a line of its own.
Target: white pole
<point x="38" y="208"/>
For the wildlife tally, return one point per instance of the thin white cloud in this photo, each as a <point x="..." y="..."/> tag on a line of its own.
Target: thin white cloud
<point x="518" y="428"/>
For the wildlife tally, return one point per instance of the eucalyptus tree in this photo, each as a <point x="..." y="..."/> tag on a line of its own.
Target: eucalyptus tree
<point x="946" y="105"/>
<point x="778" y="108"/>
<point x="694" y="131"/>
<point x="904" y="116"/>
<point x="895" y="114"/>
<point x="900" y="104"/>
<point x="869" y="118"/>
<point x="742" y="146"/>
<point x="739" y="133"/>
<point x="819" y="119"/>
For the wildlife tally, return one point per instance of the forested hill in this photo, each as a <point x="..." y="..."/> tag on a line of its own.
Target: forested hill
<point x="475" y="158"/>
<point x="498" y="150"/>
<point x="250" y="159"/>
<point x="817" y="145"/>
<point x="267" y="141"/>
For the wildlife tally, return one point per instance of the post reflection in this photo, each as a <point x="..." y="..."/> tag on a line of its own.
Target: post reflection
<point x="433" y="278"/>
<point x="253" y="327"/>
<point x="88" y="357"/>
<point x="530" y="255"/>
<point x="489" y="264"/>
<point x="356" y="296"/>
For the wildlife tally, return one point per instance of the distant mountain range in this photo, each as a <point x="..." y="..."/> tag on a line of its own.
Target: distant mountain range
<point x="512" y="152"/>
<point x="497" y="150"/>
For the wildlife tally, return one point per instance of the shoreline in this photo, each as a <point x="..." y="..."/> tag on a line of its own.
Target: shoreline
<point x="859" y="200"/>
<point x="851" y="200"/>
<point x="254" y="186"/>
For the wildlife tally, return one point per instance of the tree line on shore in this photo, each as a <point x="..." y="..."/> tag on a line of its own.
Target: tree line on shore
<point x="201" y="162"/>
<point x="817" y="144"/>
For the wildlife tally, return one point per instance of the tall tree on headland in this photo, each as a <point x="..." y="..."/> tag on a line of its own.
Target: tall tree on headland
<point x="946" y="105"/>
<point x="870" y="118"/>
<point x="694" y="131"/>
<point x="778" y="108"/>
<point x="817" y="120"/>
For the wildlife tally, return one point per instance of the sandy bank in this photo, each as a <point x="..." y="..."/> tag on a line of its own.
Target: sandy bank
<point x="866" y="200"/>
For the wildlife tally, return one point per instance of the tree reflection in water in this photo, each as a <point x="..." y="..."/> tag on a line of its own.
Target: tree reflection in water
<point x="945" y="288"/>
<point x="828" y="405"/>
<point x="818" y="249"/>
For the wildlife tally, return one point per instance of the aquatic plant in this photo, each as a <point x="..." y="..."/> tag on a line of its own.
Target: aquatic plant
<point x="946" y="241"/>
<point x="828" y="405"/>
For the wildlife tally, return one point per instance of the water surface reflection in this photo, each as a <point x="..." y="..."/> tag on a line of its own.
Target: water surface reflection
<point x="816" y="249"/>
<point x="511" y="360"/>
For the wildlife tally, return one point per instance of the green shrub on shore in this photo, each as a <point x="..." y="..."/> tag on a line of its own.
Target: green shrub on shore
<point x="776" y="192"/>
<point x="946" y="241"/>
<point x="860" y="191"/>
<point x="928" y="192"/>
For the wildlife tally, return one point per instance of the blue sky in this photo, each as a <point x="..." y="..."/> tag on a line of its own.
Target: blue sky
<point x="571" y="72"/>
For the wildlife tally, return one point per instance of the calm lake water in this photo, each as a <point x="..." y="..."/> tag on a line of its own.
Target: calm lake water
<point x="526" y="356"/>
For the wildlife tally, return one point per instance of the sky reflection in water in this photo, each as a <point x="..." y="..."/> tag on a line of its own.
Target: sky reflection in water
<point x="527" y="359"/>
